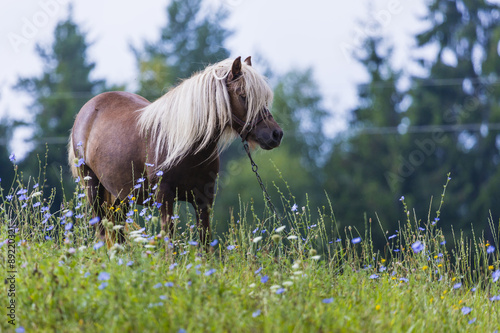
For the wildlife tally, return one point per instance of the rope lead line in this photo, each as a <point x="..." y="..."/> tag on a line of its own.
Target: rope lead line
<point x="255" y="169"/>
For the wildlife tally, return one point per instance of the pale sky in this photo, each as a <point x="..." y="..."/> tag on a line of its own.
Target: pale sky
<point x="289" y="34"/>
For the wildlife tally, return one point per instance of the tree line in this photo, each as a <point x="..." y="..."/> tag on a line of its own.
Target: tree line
<point x="399" y="142"/>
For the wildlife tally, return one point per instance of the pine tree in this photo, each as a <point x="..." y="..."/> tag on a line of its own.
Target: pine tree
<point x="189" y="42"/>
<point x="59" y="93"/>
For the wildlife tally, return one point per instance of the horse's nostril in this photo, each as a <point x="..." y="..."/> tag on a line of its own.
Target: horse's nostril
<point x="277" y="135"/>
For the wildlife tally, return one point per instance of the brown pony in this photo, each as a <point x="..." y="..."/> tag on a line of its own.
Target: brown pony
<point x="121" y="144"/>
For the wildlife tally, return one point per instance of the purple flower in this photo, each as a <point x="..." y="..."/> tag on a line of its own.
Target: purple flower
<point x="417" y="246"/>
<point x="466" y="310"/>
<point x="137" y="186"/>
<point x="490" y="249"/>
<point x="159" y="173"/>
<point x="374" y="276"/>
<point x="328" y="300"/>
<point x="231" y="247"/>
<point x="169" y="284"/>
<point x="495" y="275"/>
<point x="149" y="164"/>
<point x="193" y="243"/>
<point x="280" y="291"/>
<point x="158" y="285"/>
<point x="80" y="162"/>
<point x="103" y="285"/>
<point x="392" y="236"/>
<point x="495" y="298"/>
<point x="98" y="245"/>
<point x="256" y="314"/>
<point x="214" y="242"/>
<point x="294" y="208"/>
<point x="402" y="198"/>
<point x="264" y="279"/>
<point x="12" y="157"/>
<point x="258" y="271"/>
<point x="94" y="220"/>
<point x="68" y="226"/>
<point x="140" y="180"/>
<point x="210" y="272"/>
<point x="356" y="240"/>
<point x="171" y="267"/>
<point x="103" y="276"/>
<point x="457" y="285"/>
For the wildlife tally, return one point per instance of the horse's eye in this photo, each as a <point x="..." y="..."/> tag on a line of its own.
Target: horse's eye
<point x="243" y="96"/>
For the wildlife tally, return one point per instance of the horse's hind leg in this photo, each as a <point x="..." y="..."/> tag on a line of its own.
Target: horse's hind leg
<point x="96" y="195"/>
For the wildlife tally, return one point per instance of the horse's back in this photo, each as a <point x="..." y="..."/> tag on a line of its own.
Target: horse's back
<point x="111" y="145"/>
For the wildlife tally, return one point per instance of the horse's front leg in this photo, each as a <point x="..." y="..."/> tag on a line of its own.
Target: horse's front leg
<point x="203" y="219"/>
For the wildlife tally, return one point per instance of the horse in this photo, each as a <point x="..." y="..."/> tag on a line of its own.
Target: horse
<point x="121" y="144"/>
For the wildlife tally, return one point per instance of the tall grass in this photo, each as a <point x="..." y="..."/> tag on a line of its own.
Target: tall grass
<point x="266" y="273"/>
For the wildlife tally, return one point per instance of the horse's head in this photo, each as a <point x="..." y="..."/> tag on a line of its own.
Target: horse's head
<point x="250" y="97"/>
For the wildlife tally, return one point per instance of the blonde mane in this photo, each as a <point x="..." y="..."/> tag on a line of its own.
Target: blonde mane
<point x="197" y="112"/>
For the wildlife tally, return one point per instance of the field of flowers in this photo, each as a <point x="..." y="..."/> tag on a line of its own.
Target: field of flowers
<point x="264" y="275"/>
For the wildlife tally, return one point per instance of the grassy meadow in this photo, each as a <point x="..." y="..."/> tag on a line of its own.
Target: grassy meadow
<point x="296" y="274"/>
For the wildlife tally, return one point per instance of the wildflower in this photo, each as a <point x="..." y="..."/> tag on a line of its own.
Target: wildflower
<point x="94" y="220"/>
<point x="328" y="300"/>
<point x="421" y="229"/>
<point x="80" y="162"/>
<point x="130" y="263"/>
<point x="103" y="285"/>
<point x="495" y="275"/>
<point x="256" y="314"/>
<point x="36" y="204"/>
<point x="129" y="220"/>
<point x="9" y="197"/>
<point x="443" y="242"/>
<point x="214" y="242"/>
<point x="159" y="173"/>
<point x="158" y="285"/>
<point x="257" y="239"/>
<point x="87" y="178"/>
<point x="103" y="276"/>
<point x="417" y="246"/>
<point x="280" y="229"/>
<point x="140" y="180"/>
<point x="49" y="228"/>
<point x="425" y="267"/>
<point x="472" y="321"/>
<point x="338" y="240"/>
<point x="255" y="230"/>
<point x="292" y="237"/>
<point x="171" y="267"/>
<point x="457" y="285"/>
<point x="294" y="208"/>
<point x="137" y="186"/>
<point x="258" y="271"/>
<point x="79" y="216"/>
<point x="392" y="236"/>
<point x="280" y="291"/>
<point x="402" y="198"/>
<point x="490" y="249"/>
<point x="193" y="243"/>
<point x="169" y="284"/>
<point x="356" y="240"/>
<point x="466" y="310"/>
<point x="12" y="157"/>
<point x="68" y="226"/>
<point x="145" y="201"/>
<point x="403" y="279"/>
<point x="98" y="245"/>
<point x="264" y="279"/>
<point x="210" y="272"/>
<point x="149" y="164"/>
<point x="231" y="247"/>
<point x="175" y="217"/>
<point x="374" y="276"/>
<point x="317" y="257"/>
<point x="495" y="298"/>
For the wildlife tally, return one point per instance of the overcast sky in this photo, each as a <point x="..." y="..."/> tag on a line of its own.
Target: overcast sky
<point x="289" y="34"/>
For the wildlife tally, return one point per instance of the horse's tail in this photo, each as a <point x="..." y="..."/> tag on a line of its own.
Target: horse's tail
<point x="71" y="156"/>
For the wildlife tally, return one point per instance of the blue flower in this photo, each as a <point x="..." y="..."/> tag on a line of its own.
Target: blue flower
<point x="490" y="249"/>
<point x="79" y="216"/>
<point x="137" y="186"/>
<point x="149" y="164"/>
<point x="256" y="313"/>
<point x="495" y="275"/>
<point x="129" y="220"/>
<point x="175" y="217"/>
<point x="356" y="240"/>
<point x="214" y="242"/>
<point x="193" y="243"/>
<point x="328" y="300"/>
<point x="98" y="245"/>
<point x="169" y="284"/>
<point x="103" y="285"/>
<point x="130" y="263"/>
<point x="280" y="291"/>
<point x="20" y="329"/>
<point x="264" y="279"/>
<point x="103" y="276"/>
<point x="22" y="191"/>
<point x="171" y="267"/>
<point x="36" y="204"/>
<point x="402" y="198"/>
<point x="403" y="279"/>
<point x="472" y="321"/>
<point x="158" y="285"/>
<point x="258" y="271"/>
<point x="94" y="220"/>
<point x="159" y="173"/>
<point x="294" y="208"/>
<point x="49" y="228"/>
<point x="80" y="163"/>
<point x="374" y="276"/>
<point x="457" y="285"/>
<point x="36" y="185"/>
<point x="9" y="197"/>
<point x="12" y="157"/>
<point x="417" y="246"/>
<point x="145" y="201"/>
<point x="140" y="180"/>
<point x="466" y="310"/>
<point x="231" y="247"/>
<point x="68" y="226"/>
<point x="495" y="298"/>
<point x="392" y="236"/>
<point x="210" y="272"/>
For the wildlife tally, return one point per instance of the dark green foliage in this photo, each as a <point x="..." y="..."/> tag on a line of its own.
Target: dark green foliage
<point x="58" y="94"/>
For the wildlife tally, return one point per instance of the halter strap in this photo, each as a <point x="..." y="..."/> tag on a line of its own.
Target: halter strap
<point x="245" y="131"/>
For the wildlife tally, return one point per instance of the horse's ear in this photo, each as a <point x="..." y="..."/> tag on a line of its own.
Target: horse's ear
<point x="236" y="68"/>
<point x="248" y="61"/>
